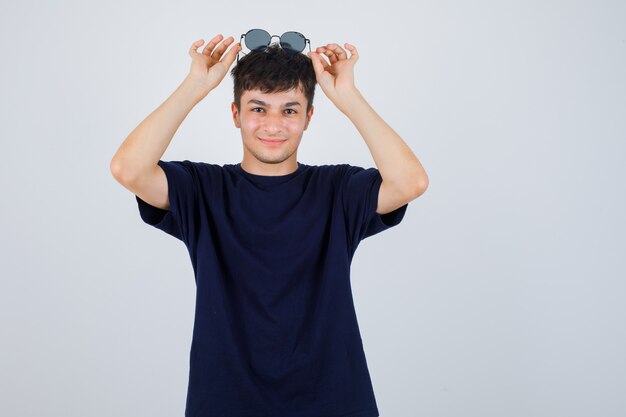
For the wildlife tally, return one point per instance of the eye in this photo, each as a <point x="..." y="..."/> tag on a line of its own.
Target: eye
<point x="259" y="108"/>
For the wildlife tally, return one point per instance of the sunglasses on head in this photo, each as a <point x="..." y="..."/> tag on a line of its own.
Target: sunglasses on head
<point x="258" y="39"/>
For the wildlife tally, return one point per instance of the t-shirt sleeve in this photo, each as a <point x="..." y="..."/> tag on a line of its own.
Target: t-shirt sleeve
<point x="182" y="188"/>
<point x="359" y="192"/>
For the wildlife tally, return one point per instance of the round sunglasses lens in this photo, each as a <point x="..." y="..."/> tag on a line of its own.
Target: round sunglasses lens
<point x="293" y="42"/>
<point x="257" y="39"/>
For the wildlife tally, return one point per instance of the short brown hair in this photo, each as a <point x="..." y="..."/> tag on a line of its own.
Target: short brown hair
<point x="274" y="70"/>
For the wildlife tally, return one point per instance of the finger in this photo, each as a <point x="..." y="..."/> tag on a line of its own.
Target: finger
<point x="354" y="54"/>
<point x="194" y="47"/>
<point x="339" y="52"/>
<point x="317" y="60"/>
<point x="320" y="58"/>
<point x="209" y="46"/>
<point x="231" y="55"/>
<point x="332" y="57"/>
<point x="217" y="53"/>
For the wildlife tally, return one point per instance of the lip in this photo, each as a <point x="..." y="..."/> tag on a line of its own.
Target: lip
<point x="272" y="142"/>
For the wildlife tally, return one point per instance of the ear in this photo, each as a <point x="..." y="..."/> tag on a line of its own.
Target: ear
<point x="308" y="117"/>
<point x="236" y="115"/>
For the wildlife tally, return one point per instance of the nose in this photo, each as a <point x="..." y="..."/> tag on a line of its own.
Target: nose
<point x="273" y="123"/>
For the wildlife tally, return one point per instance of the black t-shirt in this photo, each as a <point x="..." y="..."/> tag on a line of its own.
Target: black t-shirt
<point x="275" y="331"/>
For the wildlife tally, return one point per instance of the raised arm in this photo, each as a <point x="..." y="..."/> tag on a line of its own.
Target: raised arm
<point x="135" y="164"/>
<point x="404" y="178"/>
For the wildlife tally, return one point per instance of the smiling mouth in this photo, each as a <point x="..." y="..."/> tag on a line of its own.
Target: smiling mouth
<point x="272" y="140"/>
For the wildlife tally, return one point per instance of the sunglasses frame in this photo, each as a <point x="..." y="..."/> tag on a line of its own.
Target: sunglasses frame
<point x="306" y="42"/>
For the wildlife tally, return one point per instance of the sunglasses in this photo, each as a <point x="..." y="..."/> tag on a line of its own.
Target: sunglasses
<point x="258" y="39"/>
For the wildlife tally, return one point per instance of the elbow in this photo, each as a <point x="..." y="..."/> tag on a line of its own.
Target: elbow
<point x="421" y="185"/>
<point x="114" y="168"/>
<point x="117" y="171"/>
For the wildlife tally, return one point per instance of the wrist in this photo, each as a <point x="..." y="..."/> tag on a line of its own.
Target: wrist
<point x="194" y="88"/>
<point x="350" y="100"/>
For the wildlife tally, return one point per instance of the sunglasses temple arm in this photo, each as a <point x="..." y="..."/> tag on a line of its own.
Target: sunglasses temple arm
<point x="240" y="42"/>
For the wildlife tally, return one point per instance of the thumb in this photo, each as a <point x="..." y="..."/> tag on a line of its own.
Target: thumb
<point x="317" y="65"/>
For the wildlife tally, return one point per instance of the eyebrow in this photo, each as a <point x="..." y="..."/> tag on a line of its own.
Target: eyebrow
<point x="262" y="103"/>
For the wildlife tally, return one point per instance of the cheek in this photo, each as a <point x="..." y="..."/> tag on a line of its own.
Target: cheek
<point x="250" y="125"/>
<point x="296" y="124"/>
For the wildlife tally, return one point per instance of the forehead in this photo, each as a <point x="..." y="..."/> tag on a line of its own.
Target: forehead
<point x="274" y="99"/>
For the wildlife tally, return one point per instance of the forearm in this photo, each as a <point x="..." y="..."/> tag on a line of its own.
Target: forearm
<point x="393" y="157"/>
<point x="147" y="143"/>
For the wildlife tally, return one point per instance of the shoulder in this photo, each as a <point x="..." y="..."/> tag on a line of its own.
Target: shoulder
<point x="187" y="173"/>
<point x="198" y="167"/>
<point x="337" y="170"/>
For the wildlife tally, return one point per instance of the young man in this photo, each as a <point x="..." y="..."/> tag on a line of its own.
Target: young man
<point x="271" y="239"/>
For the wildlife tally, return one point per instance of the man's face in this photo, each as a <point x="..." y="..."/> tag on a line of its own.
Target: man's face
<point x="279" y="116"/>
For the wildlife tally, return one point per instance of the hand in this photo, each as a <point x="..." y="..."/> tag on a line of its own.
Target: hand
<point x="209" y="67"/>
<point x="337" y="78"/>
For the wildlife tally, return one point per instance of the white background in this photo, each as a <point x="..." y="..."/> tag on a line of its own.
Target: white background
<point x="500" y="294"/>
